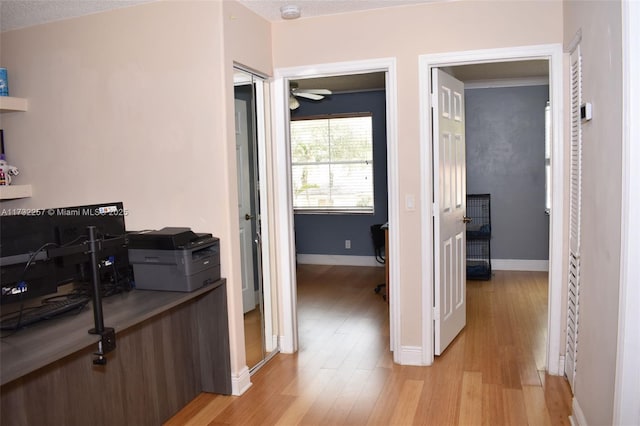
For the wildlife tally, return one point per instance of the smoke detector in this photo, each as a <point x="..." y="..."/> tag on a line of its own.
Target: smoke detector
<point x="290" y="11"/>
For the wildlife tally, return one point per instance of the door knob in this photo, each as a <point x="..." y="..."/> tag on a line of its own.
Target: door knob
<point x="466" y="219"/>
<point x="248" y="217"/>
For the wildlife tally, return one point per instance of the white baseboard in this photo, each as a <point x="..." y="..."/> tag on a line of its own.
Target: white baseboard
<point x="496" y="264"/>
<point x="577" y="416"/>
<point x="240" y="382"/>
<point x="519" y="265"/>
<point x="410" y="355"/>
<point x="335" y="259"/>
<point x="560" y="372"/>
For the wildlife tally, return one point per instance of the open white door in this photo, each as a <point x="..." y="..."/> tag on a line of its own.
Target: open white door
<point x="449" y="184"/>
<point x="244" y="206"/>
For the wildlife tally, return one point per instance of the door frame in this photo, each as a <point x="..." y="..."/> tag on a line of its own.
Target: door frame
<point x="261" y="86"/>
<point x="284" y="202"/>
<point x="553" y="53"/>
<point x="627" y="384"/>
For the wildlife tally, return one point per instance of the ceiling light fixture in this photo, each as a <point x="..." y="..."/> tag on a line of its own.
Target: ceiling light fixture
<point x="290" y="11"/>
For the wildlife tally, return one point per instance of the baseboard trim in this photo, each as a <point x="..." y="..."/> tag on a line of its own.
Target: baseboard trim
<point x="577" y="416"/>
<point x="560" y="372"/>
<point x="410" y="355"/>
<point x="336" y="259"/>
<point x="519" y="265"/>
<point x="241" y="382"/>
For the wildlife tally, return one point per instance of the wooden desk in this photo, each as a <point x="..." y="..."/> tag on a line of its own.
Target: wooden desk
<point x="170" y="346"/>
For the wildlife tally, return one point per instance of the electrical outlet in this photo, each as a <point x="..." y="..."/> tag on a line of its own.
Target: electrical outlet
<point x="347" y="244"/>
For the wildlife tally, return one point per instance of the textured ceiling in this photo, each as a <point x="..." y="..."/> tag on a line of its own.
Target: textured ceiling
<point x="25" y="13"/>
<point x="270" y="9"/>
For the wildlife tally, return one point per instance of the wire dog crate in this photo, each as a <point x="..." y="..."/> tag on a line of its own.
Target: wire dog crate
<point x="479" y="237"/>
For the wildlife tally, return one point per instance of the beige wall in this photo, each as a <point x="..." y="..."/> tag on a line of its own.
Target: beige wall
<point x="600" y="23"/>
<point x="405" y="33"/>
<point x="135" y="105"/>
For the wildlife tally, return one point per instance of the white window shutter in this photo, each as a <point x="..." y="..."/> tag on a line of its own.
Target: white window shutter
<point x="575" y="206"/>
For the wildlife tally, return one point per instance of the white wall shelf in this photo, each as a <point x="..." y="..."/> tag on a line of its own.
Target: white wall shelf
<point x="11" y="104"/>
<point x="10" y="192"/>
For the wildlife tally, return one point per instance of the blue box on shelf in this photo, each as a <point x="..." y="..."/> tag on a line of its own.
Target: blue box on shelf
<point x="4" y="82"/>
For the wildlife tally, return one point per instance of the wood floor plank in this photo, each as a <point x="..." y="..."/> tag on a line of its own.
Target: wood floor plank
<point x="347" y="398"/>
<point x="210" y="411"/>
<point x="535" y="406"/>
<point x="492" y="405"/>
<point x="305" y="399"/>
<point x="514" y="410"/>
<point x="405" y="411"/>
<point x="471" y="399"/>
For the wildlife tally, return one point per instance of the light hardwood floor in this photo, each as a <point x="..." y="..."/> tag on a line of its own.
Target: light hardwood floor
<point x="492" y="374"/>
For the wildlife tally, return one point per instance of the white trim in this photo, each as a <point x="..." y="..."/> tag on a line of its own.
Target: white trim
<point x="519" y="265"/>
<point x="284" y="205"/>
<point x="626" y="409"/>
<point x="265" y="229"/>
<point x="577" y="416"/>
<point x="241" y="382"/>
<point x="553" y="53"/>
<point x="283" y="220"/>
<point x="336" y="259"/>
<point x="410" y="355"/>
<point x="506" y="82"/>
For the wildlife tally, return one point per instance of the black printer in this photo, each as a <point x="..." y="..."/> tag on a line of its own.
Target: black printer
<point x="174" y="259"/>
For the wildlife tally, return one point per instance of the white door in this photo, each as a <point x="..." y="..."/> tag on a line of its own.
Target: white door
<point x="246" y="215"/>
<point x="449" y="209"/>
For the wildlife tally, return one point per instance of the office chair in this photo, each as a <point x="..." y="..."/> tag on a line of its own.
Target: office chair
<point x="377" y="237"/>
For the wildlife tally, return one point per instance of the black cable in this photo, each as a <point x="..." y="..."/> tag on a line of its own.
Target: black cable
<point x="21" y="281"/>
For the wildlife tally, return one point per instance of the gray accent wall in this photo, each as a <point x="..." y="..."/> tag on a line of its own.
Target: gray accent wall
<point x="505" y="158"/>
<point x="325" y="233"/>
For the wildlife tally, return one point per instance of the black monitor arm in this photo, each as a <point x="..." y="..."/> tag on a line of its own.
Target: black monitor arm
<point x="107" y="342"/>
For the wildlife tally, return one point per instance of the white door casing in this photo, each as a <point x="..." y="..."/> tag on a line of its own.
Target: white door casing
<point x="244" y="206"/>
<point x="284" y="204"/>
<point x="449" y="209"/>
<point x="557" y="251"/>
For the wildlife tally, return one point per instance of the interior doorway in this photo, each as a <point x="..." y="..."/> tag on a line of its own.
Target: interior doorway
<point x="287" y="267"/>
<point x="339" y="182"/>
<point x="552" y="54"/>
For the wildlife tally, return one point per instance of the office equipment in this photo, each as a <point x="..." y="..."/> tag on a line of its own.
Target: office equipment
<point x="41" y="249"/>
<point x="174" y="259"/>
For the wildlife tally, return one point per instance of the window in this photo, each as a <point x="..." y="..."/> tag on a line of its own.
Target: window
<point x="332" y="164"/>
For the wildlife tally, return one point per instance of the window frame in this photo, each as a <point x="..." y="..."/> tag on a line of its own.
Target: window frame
<point x="345" y="210"/>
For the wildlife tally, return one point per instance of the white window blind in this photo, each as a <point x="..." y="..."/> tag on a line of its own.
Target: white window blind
<point x="332" y="164"/>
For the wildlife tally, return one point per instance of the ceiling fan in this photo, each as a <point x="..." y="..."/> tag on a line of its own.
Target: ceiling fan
<point x="312" y="94"/>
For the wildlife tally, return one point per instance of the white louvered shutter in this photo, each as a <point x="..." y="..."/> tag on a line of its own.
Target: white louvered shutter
<point x="575" y="205"/>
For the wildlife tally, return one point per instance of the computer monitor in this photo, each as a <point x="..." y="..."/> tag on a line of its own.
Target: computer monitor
<point x="46" y="248"/>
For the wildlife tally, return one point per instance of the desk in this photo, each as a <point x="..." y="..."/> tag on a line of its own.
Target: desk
<point x="170" y="347"/>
